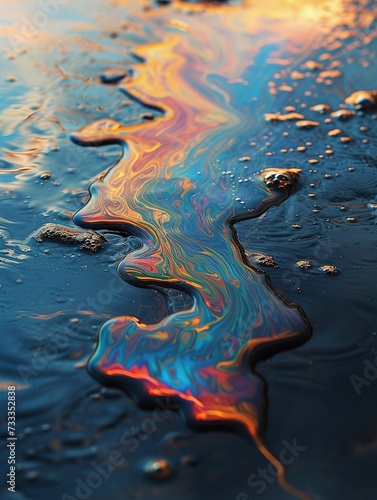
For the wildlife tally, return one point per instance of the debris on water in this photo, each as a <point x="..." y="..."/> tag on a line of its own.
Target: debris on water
<point x="307" y="124"/>
<point x="276" y="117"/>
<point x="342" y="114"/>
<point x="159" y="469"/>
<point x="329" y="269"/>
<point x="262" y="259"/>
<point x="297" y="75"/>
<point x="334" y="132"/>
<point x="285" y="88"/>
<point x="45" y="175"/>
<point x="304" y="264"/>
<point x="281" y="179"/>
<point x="113" y="75"/>
<point x="321" y="108"/>
<point x="335" y="73"/>
<point x="313" y="65"/>
<point x="90" y="240"/>
<point x="362" y="99"/>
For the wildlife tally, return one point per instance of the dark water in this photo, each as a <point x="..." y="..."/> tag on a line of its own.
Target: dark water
<point x="55" y="297"/>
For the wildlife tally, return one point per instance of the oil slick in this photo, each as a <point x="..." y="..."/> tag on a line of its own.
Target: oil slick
<point x="214" y="87"/>
<point x="170" y="190"/>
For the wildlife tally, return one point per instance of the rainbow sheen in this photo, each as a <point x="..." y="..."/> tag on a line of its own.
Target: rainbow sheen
<point x="177" y="190"/>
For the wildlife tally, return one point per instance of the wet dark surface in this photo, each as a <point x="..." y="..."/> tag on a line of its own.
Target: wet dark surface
<point x="55" y="297"/>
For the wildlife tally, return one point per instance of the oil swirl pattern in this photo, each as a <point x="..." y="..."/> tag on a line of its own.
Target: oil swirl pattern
<point x="171" y="191"/>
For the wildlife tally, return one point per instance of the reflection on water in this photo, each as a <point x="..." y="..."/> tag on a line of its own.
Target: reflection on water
<point x="205" y="114"/>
